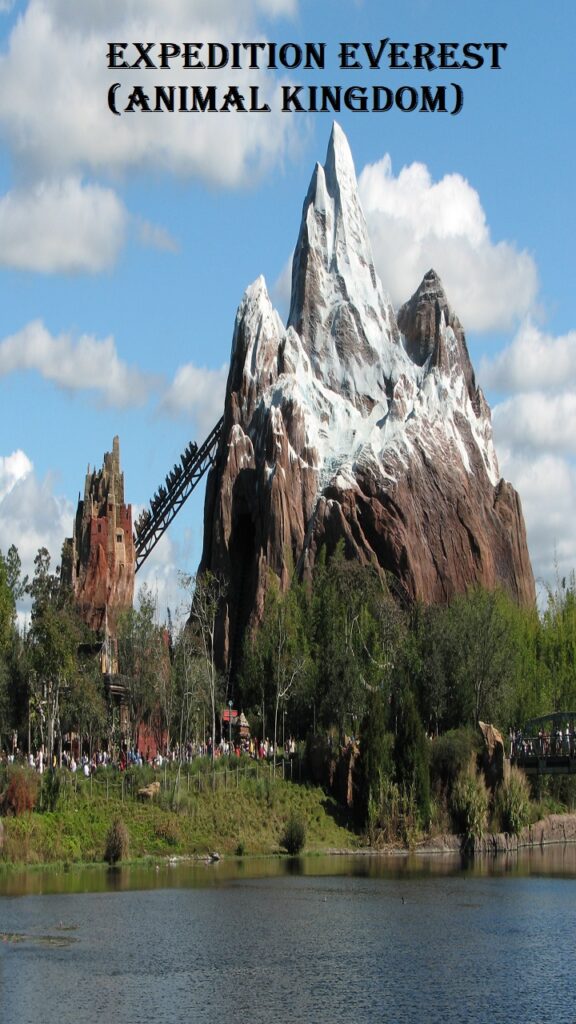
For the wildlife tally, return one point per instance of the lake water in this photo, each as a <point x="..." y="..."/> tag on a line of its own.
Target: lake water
<point x="319" y="940"/>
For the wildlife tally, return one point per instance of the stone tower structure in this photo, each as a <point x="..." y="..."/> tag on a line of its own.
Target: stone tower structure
<point x="98" y="561"/>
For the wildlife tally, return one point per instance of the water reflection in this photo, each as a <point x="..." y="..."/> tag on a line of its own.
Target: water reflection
<point x="551" y="861"/>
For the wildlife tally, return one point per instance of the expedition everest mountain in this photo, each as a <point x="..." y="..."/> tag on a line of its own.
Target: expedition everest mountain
<point x="358" y="423"/>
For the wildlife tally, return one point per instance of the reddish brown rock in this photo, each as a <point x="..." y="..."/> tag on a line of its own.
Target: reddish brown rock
<point x="98" y="561"/>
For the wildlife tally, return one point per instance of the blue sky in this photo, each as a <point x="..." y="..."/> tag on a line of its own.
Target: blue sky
<point x="126" y="243"/>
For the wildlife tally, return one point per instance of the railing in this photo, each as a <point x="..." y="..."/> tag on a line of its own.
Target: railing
<point x="108" y="783"/>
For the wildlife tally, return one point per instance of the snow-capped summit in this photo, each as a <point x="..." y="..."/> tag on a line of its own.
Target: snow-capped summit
<point x="338" y="306"/>
<point x="354" y="423"/>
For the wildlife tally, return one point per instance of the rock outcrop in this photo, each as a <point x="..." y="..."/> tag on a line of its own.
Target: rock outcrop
<point x="98" y="561"/>
<point x="353" y="423"/>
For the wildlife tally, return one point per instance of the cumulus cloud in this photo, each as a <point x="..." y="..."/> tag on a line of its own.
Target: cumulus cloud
<point x="31" y="516"/>
<point x="85" y="364"/>
<point x="61" y="225"/>
<point x="198" y="394"/>
<point x="415" y="224"/>
<point x="534" y="361"/>
<point x="57" y="64"/>
<point x="13" y="468"/>
<point x="547" y="486"/>
<point x="535" y="436"/>
<point x="160" y="574"/>
<point x="54" y="116"/>
<point x="537" y="422"/>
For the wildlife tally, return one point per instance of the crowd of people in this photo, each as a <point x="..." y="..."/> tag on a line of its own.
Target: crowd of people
<point x="557" y="742"/>
<point x="128" y="757"/>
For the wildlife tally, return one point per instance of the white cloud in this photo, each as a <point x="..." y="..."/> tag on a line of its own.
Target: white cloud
<point x="160" y="574"/>
<point x="537" y="422"/>
<point x="534" y="361"/>
<point x="13" y="468"/>
<point x="54" y="82"/>
<point x="197" y="394"/>
<point x="85" y="364"/>
<point x="155" y="236"/>
<point x="547" y="487"/>
<point x="61" y="225"/>
<point x="535" y="435"/>
<point x="31" y="516"/>
<point x="415" y="224"/>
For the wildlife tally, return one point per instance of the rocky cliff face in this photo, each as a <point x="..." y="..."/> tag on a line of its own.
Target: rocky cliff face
<point x="354" y="423"/>
<point x="98" y="561"/>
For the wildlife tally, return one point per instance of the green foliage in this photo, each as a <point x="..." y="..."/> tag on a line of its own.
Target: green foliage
<point x="558" y="644"/>
<point x="294" y="836"/>
<point x="357" y="634"/>
<point x="450" y="754"/>
<point x="375" y="766"/>
<point x="117" y="842"/>
<point x="512" y="805"/>
<point x="562" y="788"/>
<point x="277" y="661"/>
<point x="469" y="805"/>
<point x="411" y="755"/>
<point x="142" y="657"/>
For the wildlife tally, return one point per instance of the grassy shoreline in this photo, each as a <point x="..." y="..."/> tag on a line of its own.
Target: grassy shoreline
<point x="248" y="819"/>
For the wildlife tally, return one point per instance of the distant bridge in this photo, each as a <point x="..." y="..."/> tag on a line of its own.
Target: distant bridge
<point x="170" y="496"/>
<point x="547" y="745"/>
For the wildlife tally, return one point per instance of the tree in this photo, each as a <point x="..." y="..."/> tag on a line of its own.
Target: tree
<point x="207" y="591"/>
<point x="375" y="764"/>
<point x="356" y="637"/>
<point x="53" y="640"/>
<point x="141" y="653"/>
<point x="84" y="709"/>
<point x="411" y="755"/>
<point x="479" y="654"/>
<point x="279" y="658"/>
<point x="558" y="644"/>
<point x="7" y="630"/>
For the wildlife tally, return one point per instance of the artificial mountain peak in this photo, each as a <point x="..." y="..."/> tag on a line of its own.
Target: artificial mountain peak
<point x="355" y="424"/>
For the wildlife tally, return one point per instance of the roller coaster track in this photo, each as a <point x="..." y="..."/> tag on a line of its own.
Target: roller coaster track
<point x="169" y="498"/>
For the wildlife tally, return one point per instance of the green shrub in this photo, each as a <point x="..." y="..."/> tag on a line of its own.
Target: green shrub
<point x="450" y="754"/>
<point x="21" y="793"/>
<point x="294" y="837"/>
<point x="56" y="789"/>
<point x="563" y="789"/>
<point x="168" y="832"/>
<point x="513" y="802"/>
<point x="117" y="842"/>
<point x="469" y="804"/>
